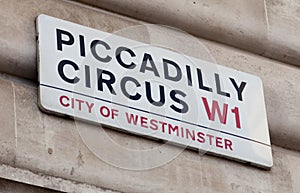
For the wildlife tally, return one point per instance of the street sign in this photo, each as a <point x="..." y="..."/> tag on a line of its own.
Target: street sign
<point x="107" y="79"/>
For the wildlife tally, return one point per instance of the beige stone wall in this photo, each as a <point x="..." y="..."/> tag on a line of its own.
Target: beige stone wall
<point x="36" y="142"/>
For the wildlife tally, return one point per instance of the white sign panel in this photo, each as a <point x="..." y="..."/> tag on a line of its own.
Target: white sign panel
<point x="104" y="78"/>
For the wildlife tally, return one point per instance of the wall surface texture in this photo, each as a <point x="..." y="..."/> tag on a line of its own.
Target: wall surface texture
<point x="256" y="36"/>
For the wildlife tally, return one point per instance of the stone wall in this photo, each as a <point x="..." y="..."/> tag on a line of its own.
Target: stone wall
<point x="48" y="151"/>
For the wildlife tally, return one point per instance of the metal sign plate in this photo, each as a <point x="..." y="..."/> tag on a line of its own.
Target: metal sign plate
<point x="104" y="78"/>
